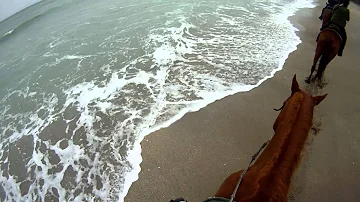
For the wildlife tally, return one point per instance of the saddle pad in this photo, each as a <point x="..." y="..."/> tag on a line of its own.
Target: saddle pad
<point x="335" y="29"/>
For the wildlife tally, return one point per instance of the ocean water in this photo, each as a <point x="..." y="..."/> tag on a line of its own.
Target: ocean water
<point x="82" y="83"/>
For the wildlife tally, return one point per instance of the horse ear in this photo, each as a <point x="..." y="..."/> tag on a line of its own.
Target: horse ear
<point x="295" y="85"/>
<point x="318" y="99"/>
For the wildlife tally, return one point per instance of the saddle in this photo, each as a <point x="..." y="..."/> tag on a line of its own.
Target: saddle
<point x="332" y="27"/>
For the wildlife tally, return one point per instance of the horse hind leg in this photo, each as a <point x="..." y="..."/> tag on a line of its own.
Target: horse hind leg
<point x="315" y="60"/>
<point x="322" y="66"/>
<point x="324" y="61"/>
<point x="320" y="73"/>
<point x="311" y="72"/>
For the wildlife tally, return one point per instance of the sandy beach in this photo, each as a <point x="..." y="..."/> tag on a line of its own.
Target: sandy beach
<point x="193" y="156"/>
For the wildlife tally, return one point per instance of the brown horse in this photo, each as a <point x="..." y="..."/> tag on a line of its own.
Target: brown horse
<point x="328" y="45"/>
<point x="326" y="15"/>
<point x="269" y="178"/>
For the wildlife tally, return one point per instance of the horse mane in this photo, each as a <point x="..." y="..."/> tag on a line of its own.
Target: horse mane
<point x="268" y="168"/>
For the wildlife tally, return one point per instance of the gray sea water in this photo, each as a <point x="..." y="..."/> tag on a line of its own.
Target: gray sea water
<point x="82" y="82"/>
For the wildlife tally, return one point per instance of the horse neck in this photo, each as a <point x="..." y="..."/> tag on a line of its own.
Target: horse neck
<point x="275" y="166"/>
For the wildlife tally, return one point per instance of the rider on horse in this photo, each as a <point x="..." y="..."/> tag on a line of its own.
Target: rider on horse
<point x="340" y="16"/>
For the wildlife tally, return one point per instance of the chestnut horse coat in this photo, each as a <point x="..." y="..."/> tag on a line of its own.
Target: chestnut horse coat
<point x="268" y="180"/>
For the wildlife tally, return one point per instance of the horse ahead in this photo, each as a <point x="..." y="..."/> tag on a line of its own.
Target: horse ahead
<point x="328" y="45"/>
<point x="269" y="178"/>
<point x="332" y="37"/>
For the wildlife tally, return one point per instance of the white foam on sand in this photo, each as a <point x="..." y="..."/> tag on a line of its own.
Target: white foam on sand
<point x="8" y="33"/>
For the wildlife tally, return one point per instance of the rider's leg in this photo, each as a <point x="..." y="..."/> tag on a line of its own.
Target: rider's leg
<point x="344" y="38"/>
<point x="321" y="15"/>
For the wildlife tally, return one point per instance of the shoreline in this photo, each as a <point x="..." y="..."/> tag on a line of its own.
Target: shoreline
<point x="175" y="150"/>
<point x="135" y="154"/>
<point x="145" y="137"/>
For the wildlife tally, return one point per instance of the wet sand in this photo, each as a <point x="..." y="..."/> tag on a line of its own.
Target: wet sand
<point x="193" y="156"/>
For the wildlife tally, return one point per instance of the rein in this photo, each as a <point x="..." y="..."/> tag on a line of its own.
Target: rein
<point x="244" y="172"/>
<point x="282" y="107"/>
